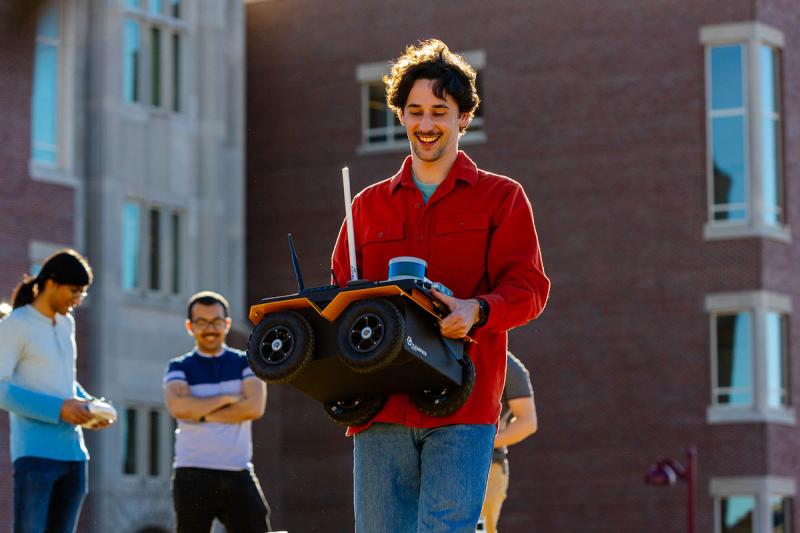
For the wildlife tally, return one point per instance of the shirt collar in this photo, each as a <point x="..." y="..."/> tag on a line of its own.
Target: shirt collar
<point x="209" y="356"/>
<point x="463" y="169"/>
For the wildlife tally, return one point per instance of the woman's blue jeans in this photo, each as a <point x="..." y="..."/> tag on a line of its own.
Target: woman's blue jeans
<point x="409" y="480"/>
<point x="48" y="494"/>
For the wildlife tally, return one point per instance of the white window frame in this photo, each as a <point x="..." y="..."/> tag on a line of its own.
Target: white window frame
<point x="760" y="488"/>
<point x="61" y="172"/>
<point x="751" y="35"/>
<point x="165" y="290"/>
<point x="757" y="303"/>
<point x="168" y="25"/>
<point x="371" y="72"/>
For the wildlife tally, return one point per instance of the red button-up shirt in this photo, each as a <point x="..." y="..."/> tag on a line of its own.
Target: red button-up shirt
<point x="478" y="237"/>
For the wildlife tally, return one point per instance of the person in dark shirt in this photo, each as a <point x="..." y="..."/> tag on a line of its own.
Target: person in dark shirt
<point x="517" y="422"/>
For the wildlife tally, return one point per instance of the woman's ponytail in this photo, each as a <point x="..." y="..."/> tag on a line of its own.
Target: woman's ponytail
<point x="24" y="292"/>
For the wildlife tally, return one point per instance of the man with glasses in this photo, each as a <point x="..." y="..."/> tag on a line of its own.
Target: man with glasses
<point x="214" y="396"/>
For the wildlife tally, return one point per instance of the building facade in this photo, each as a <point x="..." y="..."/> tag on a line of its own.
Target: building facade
<point x="657" y="145"/>
<point x="126" y="141"/>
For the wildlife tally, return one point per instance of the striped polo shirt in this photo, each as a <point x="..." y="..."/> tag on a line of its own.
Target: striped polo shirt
<point x="211" y="444"/>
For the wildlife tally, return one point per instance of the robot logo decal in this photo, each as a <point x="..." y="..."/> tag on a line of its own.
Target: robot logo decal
<point x="414" y="347"/>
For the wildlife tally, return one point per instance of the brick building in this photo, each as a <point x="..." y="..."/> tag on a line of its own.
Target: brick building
<point x="123" y="136"/>
<point x="657" y="143"/>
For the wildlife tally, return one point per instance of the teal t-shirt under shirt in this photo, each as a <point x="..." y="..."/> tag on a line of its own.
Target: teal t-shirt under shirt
<point x="426" y="189"/>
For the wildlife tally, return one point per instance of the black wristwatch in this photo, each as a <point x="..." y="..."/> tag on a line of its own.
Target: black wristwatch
<point x="483" y="313"/>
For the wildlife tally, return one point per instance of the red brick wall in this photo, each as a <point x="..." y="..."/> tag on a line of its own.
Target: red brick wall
<point x="28" y="209"/>
<point x="597" y="108"/>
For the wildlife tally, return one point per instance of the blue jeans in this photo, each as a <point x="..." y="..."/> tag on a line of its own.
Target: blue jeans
<point x="409" y="480"/>
<point x="48" y="494"/>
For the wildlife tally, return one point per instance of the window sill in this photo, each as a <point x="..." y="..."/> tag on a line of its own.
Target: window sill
<point x="54" y="175"/>
<point x="141" y="112"/>
<point x="717" y="414"/>
<point x="716" y="232"/>
<point x="157" y="300"/>
<point x="472" y="137"/>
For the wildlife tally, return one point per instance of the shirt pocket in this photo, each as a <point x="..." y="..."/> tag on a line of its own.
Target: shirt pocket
<point x="381" y="243"/>
<point x="460" y="242"/>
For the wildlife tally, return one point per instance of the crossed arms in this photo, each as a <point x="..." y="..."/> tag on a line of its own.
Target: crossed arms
<point x="224" y="408"/>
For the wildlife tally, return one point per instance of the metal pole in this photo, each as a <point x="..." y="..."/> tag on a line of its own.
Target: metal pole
<point x="691" y="473"/>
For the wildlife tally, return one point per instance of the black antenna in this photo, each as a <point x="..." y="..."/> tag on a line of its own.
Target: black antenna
<point x="296" y="265"/>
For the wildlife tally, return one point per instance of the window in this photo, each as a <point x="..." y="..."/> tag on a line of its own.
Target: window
<point x="744" y="131"/>
<point x="131" y="245"/>
<point x="148" y="442"/>
<point x="752" y="504"/>
<point x="44" y="104"/>
<point x="380" y="127"/>
<point x="749" y="357"/>
<point x="154" y="432"/>
<point x="736" y="513"/>
<point x="129" y="439"/>
<point x="152" y="35"/>
<point x="158" y="247"/>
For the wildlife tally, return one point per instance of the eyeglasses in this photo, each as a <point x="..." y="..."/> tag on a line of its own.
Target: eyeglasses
<point x="202" y="323"/>
<point x="77" y="292"/>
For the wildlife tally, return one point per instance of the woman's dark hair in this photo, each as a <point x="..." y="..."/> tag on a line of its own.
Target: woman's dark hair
<point x="65" y="267"/>
<point x="432" y="60"/>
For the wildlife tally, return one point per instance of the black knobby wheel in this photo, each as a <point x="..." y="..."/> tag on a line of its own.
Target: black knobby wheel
<point x="280" y="346"/>
<point x="444" y="401"/>
<point x="354" y="412"/>
<point x="370" y="335"/>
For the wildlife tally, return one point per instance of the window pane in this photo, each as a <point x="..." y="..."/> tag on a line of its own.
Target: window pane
<point x="133" y="3"/>
<point x="130" y="62"/>
<point x="176" y="253"/>
<point x="727" y="88"/>
<point x="129" y="442"/>
<point x="47" y="25"/>
<point x="733" y="359"/>
<point x="376" y="105"/>
<point x="776" y="359"/>
<point x="728" y="149"/>
<point x="155" y="249"/>
<point x="131" y="245"/>
<point x="770" y="170"/>
<point x="155" y="67"/>
<point x="155" y="438"/>
<point x="176" y="72"/>
<point x="479" y="110"/>
<point x="176" y="8"/>
<point x="781" y="514"/>
<point x="769" y="79"/>
<point x="44" y="127"/>
<point x="736" y="514"/>
<point x="156" y="6"/>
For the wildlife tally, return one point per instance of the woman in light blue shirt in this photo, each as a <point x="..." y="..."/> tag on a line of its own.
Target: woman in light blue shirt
<point x="46" y="404"/>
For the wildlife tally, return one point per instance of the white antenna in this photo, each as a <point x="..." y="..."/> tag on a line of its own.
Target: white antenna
<point x="349" y="217"/>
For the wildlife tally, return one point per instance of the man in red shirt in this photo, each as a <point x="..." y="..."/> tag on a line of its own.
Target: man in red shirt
<point x="414" y="472"/>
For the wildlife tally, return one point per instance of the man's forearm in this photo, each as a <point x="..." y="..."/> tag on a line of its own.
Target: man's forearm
<point x="245" y="409"/>
<point x="193" y="407"/>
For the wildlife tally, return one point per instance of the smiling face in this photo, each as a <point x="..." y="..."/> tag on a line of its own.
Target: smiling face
<point x="208" y="326"/>
<point x="432" y="123"/>
<point x="62" y="298"/>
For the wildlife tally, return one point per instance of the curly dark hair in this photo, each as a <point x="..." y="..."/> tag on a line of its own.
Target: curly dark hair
<point x="432" y="60"/>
